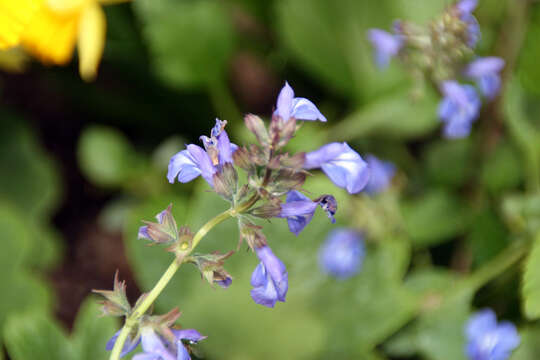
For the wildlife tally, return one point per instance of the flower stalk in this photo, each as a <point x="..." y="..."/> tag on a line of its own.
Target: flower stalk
<point x="142" y="307"/>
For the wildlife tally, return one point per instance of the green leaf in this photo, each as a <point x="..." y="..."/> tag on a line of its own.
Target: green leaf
<point x="529" y="348"/>
<point x="531" y="282"/>
<point x="32" y="185"/>
<point x="395" y="116"/>
<point x="438" y="333"/>
<point x="329" y="40"/>
<point x="488" y="236"/>
<point x="449" y="162"/>
<point x="502" y="169"/>
<point x="434" y="217"/>
<point x="36" y="336"/>
<point x="92" y="331"/>
<point x="190" y="42"/>
<point x="105" y="156"/>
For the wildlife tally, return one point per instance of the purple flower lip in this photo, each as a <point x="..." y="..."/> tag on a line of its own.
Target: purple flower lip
<point x="487" y="339"/>
<point x="269" y="279"/>
<point x="386" y="45"/>
<point x="288" y="106"/>
<point x="458" y="109"/>
<point x="344" y="166"/>
<point x="188" y="164"/>
<point x="342" y="253"/>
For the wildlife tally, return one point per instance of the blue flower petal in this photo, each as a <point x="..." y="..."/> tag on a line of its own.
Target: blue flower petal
<point x="183" y="166"/>
<point x="129" y="345"/>
<point x="285" y="102"/>
<point x="303" y="109"/>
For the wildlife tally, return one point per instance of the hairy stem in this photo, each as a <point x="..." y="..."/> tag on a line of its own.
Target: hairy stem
<point x="142" y="307"/>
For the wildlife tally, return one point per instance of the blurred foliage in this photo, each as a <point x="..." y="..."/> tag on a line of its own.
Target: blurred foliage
<point x="34" y="335"/>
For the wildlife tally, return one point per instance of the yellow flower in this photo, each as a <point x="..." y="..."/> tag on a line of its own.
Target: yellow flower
<point x="49" y="30"/>
<point x="14" y="16"/>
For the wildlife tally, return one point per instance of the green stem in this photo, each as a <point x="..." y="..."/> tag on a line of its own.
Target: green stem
<point x="142" y="307"/>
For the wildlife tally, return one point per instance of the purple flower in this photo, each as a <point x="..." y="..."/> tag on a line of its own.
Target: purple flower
<point x="194" y="161"/>
<point x="485" y="71"/>
<point x="299" y="209"/>
<point x="270" y="279"/>
<point x="156" y="347"/>
<point x="299" y="108"/>
<point x="129" y="345"/>
<point x="381" y="174"/>
<point x="344" y="166"/>
<point x="342" y="254"/>
<point x="487" y="340"/>
<point x="465" y="9"/>
<point x="458" y="109"/>
<point x="386" y="45"/>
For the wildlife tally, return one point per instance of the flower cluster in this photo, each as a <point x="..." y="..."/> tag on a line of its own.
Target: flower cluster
<point x="444" y="53"/>
<point x="49" y="30"/>
<point x="487" y="340"/>
<point x="271" y="174"/>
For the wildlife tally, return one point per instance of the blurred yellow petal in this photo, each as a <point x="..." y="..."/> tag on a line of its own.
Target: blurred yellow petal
<point x="66" y="7"/>
<point x="91" y="40"/>
<point x="112" y="2"/>
<point x="51" y="36"/>
<point x="14" y="15"/>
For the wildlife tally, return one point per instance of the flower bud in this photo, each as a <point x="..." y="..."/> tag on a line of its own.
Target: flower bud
<point x="211" y="268"/>
<point x="116" y="303"/>
<point x="162" y="232"/>
<point x="226" y="181"/>
<point x="256" y="126"/>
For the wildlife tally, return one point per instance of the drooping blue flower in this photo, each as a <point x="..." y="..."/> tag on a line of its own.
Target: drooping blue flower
<point x="465" y="9"/>
<point x="381" y="174"/>
<point x="299" y="209"/>
<point x="386" y="45"/>
<point x="344" y="166"/>
<point x="458" y="109"/>
<point x="129" y="345"/>
<point x="194" y="161"/>
<point x="485" y="71"/>
<point x="487" y="340"/>
<point x="270" y="279"/>
<point x="342" y="254"/>
<point x="299" y="108"/>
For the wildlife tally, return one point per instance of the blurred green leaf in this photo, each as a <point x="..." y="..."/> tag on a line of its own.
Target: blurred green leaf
<point x="438" y="333"/>
<point x="36" y="336"/>
<point x="529" y="348"/>
<point x="488" y="236"/>
<point x="92" y="331"/>
<point x="502" y="169"/>
<point x="395" y="116"/>
<point x="525" y="134"/>
<point x="105" y="156"/>
<point x="29" y="180"/>
<point x="329" y="40"/>
<point x="436" y="216"/>
<point x="448" y="163"/>
<point x="190" y="42"/>
<point x="531" y="282"/>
